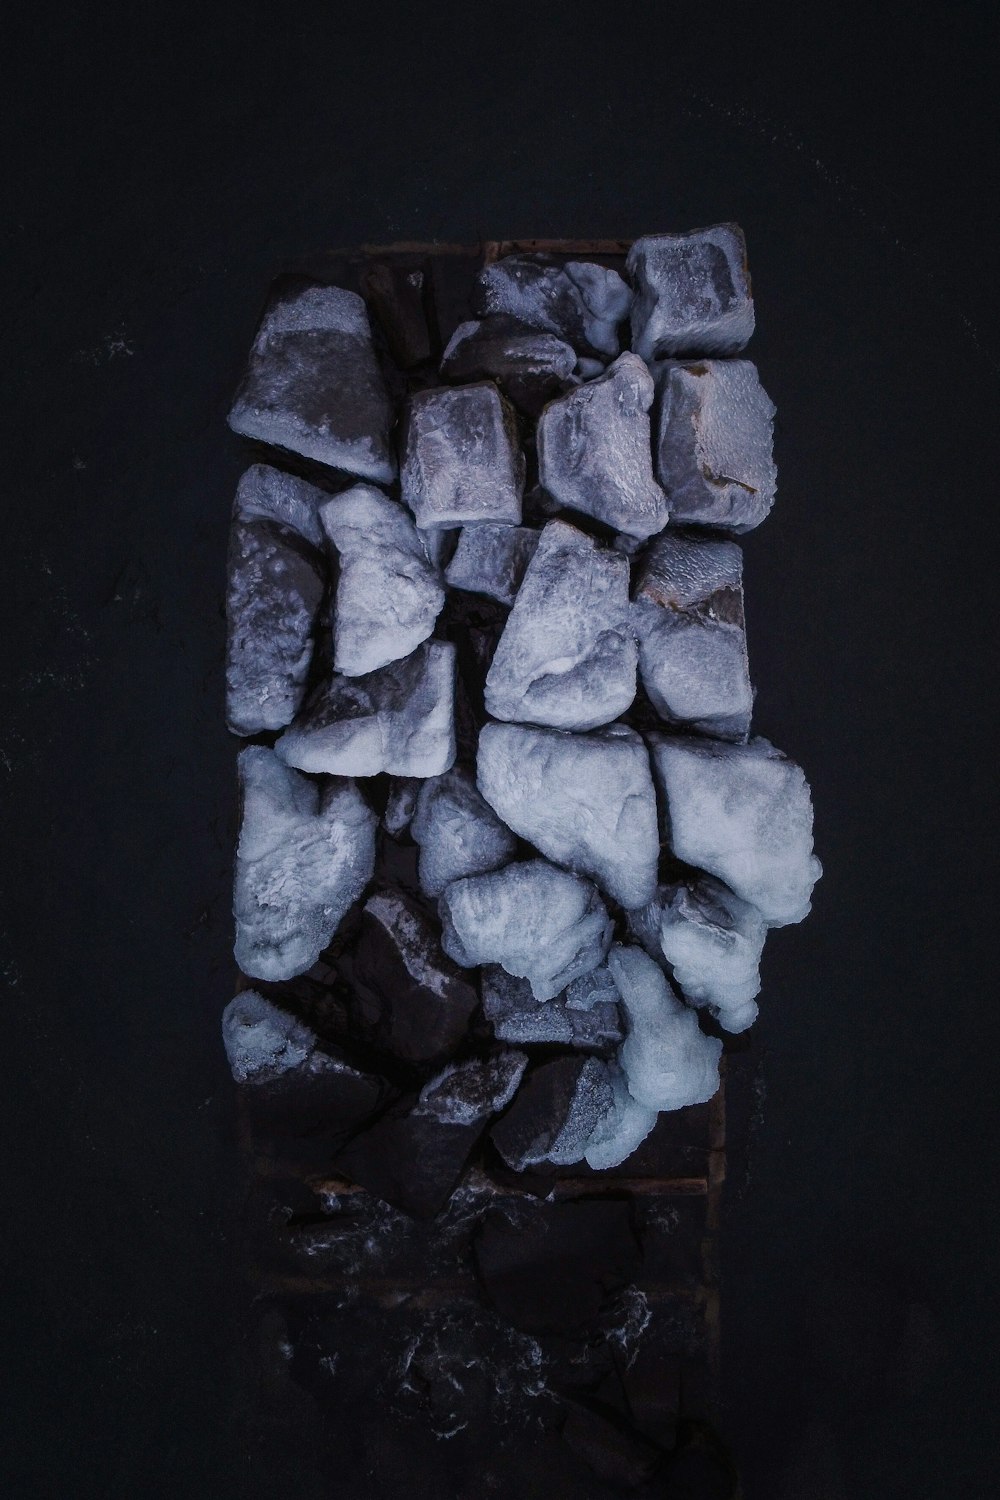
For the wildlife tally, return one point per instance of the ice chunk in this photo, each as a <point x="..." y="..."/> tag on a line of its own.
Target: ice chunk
<point x="688" y="617"/>
<point x="585" y="801"/>
<point x="400" y="719"/>
<point x="667" y="1060"/>
<point x="713" y="941"/>
<point x="458" y="832"/>
<point x="492" y="560"/>
<point x="261" y="1041"/>
<point x="621" y="1129"/>
<point x="313" y="384"/>
<point x="542" y="924"/>
<point x="529" y="366"/>
<point x="305" y="855"/>
<point x="567" y="656"/>
<point x="516" y="1016"/>
<point x="266" y="494"/>
<point x="461" y="462"/>
<point x="388" y="593"/>
<point x="692" y="292"/>
<point x="581" y="302"/>
<point x="594" y="450"/>
<point x="554" y="1113"/>
<point x="743" y="814"/>
<point x="396" y="295"/>
<point x="401" y="804"/>
<point x="714" y="444"/>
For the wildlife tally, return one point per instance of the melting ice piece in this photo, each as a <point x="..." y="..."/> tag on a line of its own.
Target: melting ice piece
<point x="304" y="856"/>
<point x="688" y="617"/>
<point x="516" y="1016"/>
<point x="667" y="1060"/>
<point x="567" y="656"/>
<point x="461" y="461"/>
<point x="401" y="804"/>
<point x="581" y="302"/>
<point x="692" y="293"/>
<point x="594" y="450"/>
<point x="400" y="719"/>
<point x="388" y="593"/>
<point x="714" y="443"/>
<point x="713" y="941"/>
<point x="529" y="365"/>
<point x="492" y="560"/>
<point x="313" y="384"/>
<point x="458" y="832"/>
<point x="585" y="801"/>
<point x="554" y="1113"/>
<point x="743" y="813"/>
<point x="621" y="1129"/>
<point x="542" y="924"/>
<point x="263" y="1042"/>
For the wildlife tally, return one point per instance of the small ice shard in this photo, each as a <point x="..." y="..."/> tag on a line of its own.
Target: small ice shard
<point x="692" y="293"/>
<point x="594" y="450"/>
<point x="586" y="801"/>
<point x="516" y="1016"/>
<point x="714" y="444"/>
<point x="305" y="855"/>
<point x="313" y="385"/>
<point x="401" y="804"/>
<point x="491" y="560"/>
<point x="742" y="813"/>
<point x="688" y="617"/>
<point x="458" y="832"/>
<point x="713" y="941"/>
<point x="400" y="719"/>
<point x="554" y="1113"/>
<point x="542" y="924"/>
<point x="396" y="296"/>
<point x="567" y="656"/>
<point x="388" y="593"/>
<point x="461" y="461"/>
<point x="621" y="1129"/>
<point x="580" y="302"/>
<point x="266" y="494"/>
<point x="667" y="1060"/>
<point x="529" y="365"/>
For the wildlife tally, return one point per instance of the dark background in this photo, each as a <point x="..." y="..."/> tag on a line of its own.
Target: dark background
<point x="163" y="164"/>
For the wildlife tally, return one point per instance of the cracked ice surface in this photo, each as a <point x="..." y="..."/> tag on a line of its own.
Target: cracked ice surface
<point x="692" y="293"/>
<point x="667" y="1060"/>
<point x="458" y="832"/>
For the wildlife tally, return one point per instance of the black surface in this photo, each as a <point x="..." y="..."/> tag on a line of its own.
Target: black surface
<point x="163" y="166"/>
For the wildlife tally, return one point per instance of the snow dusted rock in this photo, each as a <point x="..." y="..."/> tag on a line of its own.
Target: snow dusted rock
<point x="586" y="801"/>
<point x="692" y="293"/>
<point x="621" y="1129"/>
<point x="667" y="1060"/>
<point x="713" y="941"/>
<point x="492" y="560"/>
<point x="313" y="384"/>
<point x="388" y="593"/>
<point x="554" y="1113"/>
<point x="458" y="832"/>
<point x="529" y="365"/>
<point x="400" y="719"/>
<point x="743" y="814"/>
<point x="594" y="451"/>
<point x="580" y="302"/>
<point x="714" y="444"/>
<point x="516" y="1016"/>
<point x="542" y="924"/>
<point x="263" y="1042"/>
<point x="688" y="617"/>
<point x="567" y="656"/>
<point x="401" y="804"/>
<point x="305" y="855"/>
<point x="266" y="494"/>
<point x="461" y="461"/>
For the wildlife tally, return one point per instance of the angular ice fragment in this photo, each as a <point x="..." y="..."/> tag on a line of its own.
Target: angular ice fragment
<point x="586" y="801"/>
<point x="530" y="366"/>
<point x="492" y="560"/>
<point x="567" y="656"/>
<point x="461" y="461"/>
<point x="621" y="1129"/>
<point x="713" y="941"/>
<point x="692" y="293"/>
<point x="667" y="1060"/>
<point x="458" y="832"/>
<point x="554" y="1113"/>
<point x="594" y="452"/>
<point x="581" y="302"/>
<point x="266" y="494"/>
<point x="516" y="1016"/>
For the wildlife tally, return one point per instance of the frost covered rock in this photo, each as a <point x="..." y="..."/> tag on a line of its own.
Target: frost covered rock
<point x="742" y="813"/>
<point x="594" y="452"/>
<point x="586" y="801"/>
<point x="516" y="1016"/>
<point x="529" y="365"/>
<point x="458" y="832"/>
<point x="688" y="618"/>
<point x="266" y="494"/>
<point x="461" y="460"/>
<point x="401" y="804"/>
<point x="714" y="444"/>
<point x="313" y="384"/>
<point x="581" y="302"/>
<point x="713" y="941"/>
<point x="542" y="924"/>
<point x="388" y="593"/>
<point x="554" y="1113"/>
<point x="692" y="293"/>
<point x="667" y="1060"/>
<point x="400" y="719"/>
<point x="305" y="855"/>
<point x="567" y="656"/>
<point x="263" y="1042"/>
<point x="621" y="1129"/>
<point x="492" y="560"/>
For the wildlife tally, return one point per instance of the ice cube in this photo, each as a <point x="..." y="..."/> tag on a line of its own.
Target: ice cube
<point x="580" y="301"/>
<point x="667" y="1060"/>
<point x="692" y="293"/>
<point x="458" y="832"/>
<point x="461" y="462"/>
<point x="491" y="560"/>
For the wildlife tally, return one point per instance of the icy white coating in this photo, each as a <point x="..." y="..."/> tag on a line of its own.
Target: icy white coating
<point x="401" y="804"/>
<point x="594" y="452"/>
<point x="516" y="1016"/>
<point x="267" y="494"/>
<point x="667" y="1060"/>
<point x="594" y="989"/>
<point x="692" y="293"/>
<point x="592" y="1101"/>
<point x="581" y="302"/>
<point x="261" y="1041"/>
<point x="586" y="801"/>
<point x="620" y="1129"/>
<point x="438" y="544"/>
<point x="458" y="832"/>
<point x="714" y="444"/>
<point x="461" y="461"/>
<point x="388" y="592"/>
<point x="742" y="813"/>
<point x="305" y="855"/>
<point x="567" y="656"/>
<point x="400" y="719"/>
<point x="542" y="924"/>
<point x="465" y="1094"/>
<point x="492" y="560"/>
<point x="713" y="941"/>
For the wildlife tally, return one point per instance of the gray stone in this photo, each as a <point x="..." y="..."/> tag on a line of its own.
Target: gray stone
<point x="266" y="494"/>
<point x="554" y="1113"/>
<point x="492" y="560"/>
<point x="580" y="302"/>
<point x="458" y="832"/>
<point x="461" y="461"/>
<point x="667" y="1060"/>
<point x="692" y="293"/>
<point x="516" y="1016"/>
<point x="529" y="365"/>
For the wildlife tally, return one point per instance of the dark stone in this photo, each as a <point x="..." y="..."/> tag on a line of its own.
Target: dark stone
<point x="529" y="364"/>
<point x="616" y="1453"/>
<point x="554" y="1113"/>
<point x="700" y="1468"/>
<point x="396" y="296"/>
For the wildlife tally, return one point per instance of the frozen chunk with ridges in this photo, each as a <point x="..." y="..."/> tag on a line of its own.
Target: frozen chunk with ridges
<point x="581" y="302"/>
<point x="458" y="832"/>
<point x="492" y="560"/>
<point x="621" y="1129"/>
<point x="461" y="462"/>
<point x="667" y="1060"/>
<point x="529" y="365"/>
<point x="692" y="293"/>
<point x="554" y="1113"/>
<point x="516" y="1016"/>
<point x="713" y="941"/>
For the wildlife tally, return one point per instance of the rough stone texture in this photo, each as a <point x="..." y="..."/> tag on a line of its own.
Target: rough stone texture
<point x="692" y="293"/>
<point x="458" y="832"/>
<point x="567" y="656"/>
<point x="580" y="302"/>
<point x="516" y="1016"/>
<point x="594" y="452"/>
<point x="492" y="560"/>
<point x="267" y="494"/>
<point x="622" y="1128"/>
<point x="529" y="365"/>
<point x="263" y="1042"/>
<point x="585" y="801"/>
<point x="554" y="1113"/>
<point x="667" y="1060"/>
<point x="461" y="461"/>
<point x="313" y="384"/>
